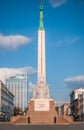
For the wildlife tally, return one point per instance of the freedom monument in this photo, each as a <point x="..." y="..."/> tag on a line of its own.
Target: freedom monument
<point x="41" y="108"/>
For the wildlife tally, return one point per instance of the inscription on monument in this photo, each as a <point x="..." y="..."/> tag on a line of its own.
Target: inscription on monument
<point x="41" y="105"/>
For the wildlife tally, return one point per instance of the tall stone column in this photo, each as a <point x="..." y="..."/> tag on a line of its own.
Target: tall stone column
<point x="41" y="57"/>
<point x="41" y="90"/>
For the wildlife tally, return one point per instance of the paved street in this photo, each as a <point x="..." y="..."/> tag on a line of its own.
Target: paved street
<point x="47" y="127"/>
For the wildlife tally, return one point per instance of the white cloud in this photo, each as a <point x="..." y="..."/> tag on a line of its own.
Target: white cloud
<point x="67" y="41"/>
<point x="75" y="82"/>
<point x="30" y="87"/>
<point x="13" y="41"/>
<point x="56" y="3"/>
<point x="6" y="72"/>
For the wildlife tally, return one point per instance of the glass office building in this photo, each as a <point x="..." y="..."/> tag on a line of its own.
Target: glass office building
<point x="18" y="86"/>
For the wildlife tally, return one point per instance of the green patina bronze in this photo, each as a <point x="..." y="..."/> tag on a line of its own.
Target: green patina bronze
<point x="41" y="25"/>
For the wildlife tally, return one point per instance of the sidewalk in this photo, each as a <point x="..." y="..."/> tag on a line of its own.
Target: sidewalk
<point x="4" y="122"/>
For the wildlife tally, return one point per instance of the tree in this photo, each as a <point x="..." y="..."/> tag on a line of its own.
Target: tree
<point x="17" y="111"/>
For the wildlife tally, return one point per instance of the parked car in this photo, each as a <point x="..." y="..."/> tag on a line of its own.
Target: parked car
<point x="82" y="117"/>
<point x="2" y="117"/>
<point x="76" y="117"/>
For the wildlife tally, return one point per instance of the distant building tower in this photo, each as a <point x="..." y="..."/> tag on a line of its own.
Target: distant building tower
<point x="18" y="86"/>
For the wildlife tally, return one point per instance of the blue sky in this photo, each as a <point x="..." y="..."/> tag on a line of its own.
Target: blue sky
<point x="64" y="26"/>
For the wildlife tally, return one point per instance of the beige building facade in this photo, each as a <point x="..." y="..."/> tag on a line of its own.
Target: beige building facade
<point x="6" y="100"/>
<point x="77" y="101"/>
<point x="65" y="109"/>
<point x="81" y="103"/>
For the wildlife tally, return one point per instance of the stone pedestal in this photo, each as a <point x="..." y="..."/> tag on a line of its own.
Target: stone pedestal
<point x="41" y="111"/>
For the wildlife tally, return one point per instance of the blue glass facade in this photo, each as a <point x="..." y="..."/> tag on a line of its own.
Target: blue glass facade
<point x="18" y="86"/>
